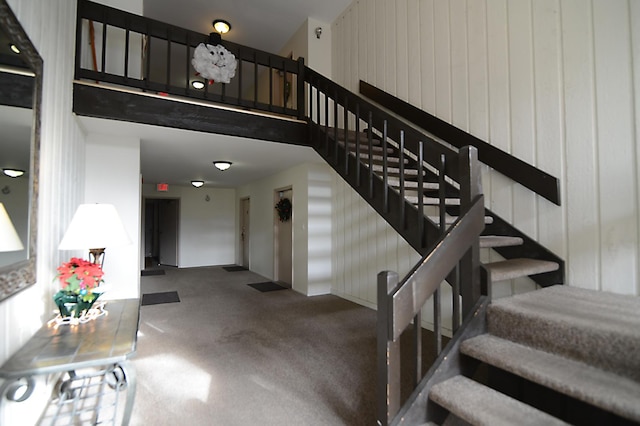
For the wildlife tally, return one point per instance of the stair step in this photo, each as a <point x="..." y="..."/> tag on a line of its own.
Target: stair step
<point x="594" y="327"/>
<point x="379" y="158"/>
<point x="519" y="267"/>
<point x="431" y="201"/>
<point x="361" y="137"/>
<point x="481" y="405"/>
<point x="374" y="148"/>
<point x="594" y="386"/>
<point x="395" y="170"/>
<point x="489" y="241"/>
<point x="449" y="220"/>
<point x="413" y="184"/>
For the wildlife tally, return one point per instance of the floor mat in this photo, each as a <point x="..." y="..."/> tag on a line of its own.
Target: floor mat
<point x="268" y="286"/>
<point x="146" y="272"/>
<point x="159" y="298"/>
<point x="234" y="268"/>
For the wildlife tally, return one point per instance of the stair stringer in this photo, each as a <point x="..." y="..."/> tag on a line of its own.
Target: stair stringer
<point x="418" y="409"/>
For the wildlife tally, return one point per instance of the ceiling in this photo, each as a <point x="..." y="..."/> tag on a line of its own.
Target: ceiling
<point x="261" y="24"/>
<point x="175" y="156"/>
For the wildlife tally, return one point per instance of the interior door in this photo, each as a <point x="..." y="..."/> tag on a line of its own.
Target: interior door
<point x="284" y="243"/>
<point x="168" y="231"/>
<point x="244" y="231"/>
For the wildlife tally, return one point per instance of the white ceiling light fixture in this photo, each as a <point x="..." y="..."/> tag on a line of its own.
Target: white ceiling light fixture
<point x="197" y="84"/>
<point x="13" y="173"/>
<point x="197" y="183"/>
<point x="221" y="26"/>
<point x="222" y="165"/>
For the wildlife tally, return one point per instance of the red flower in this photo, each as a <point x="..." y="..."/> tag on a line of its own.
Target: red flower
<point x="79" y="276"/>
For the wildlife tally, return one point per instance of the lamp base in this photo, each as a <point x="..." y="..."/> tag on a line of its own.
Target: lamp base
<point x="96" y="255"/>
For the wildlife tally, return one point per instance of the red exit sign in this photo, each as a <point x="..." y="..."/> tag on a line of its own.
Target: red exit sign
<point x="162" y="187"/>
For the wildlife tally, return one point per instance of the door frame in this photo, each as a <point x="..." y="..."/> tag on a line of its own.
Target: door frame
<point x="245" y="251"/>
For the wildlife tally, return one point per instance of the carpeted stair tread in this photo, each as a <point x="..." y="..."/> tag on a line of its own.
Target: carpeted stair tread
<point x="489" y="241"/>
<point x="481" y="405"/>
<point x="394" y="171"/>
<point x="592" y="385"/>
<point x="434" y="201"/>
<point x="365" y="147"/>
<point x="598" y="328"/>
<point x="519" y="267"/>
<point x="379" y="159"/>
<point x="413" y="184"/>
<point x="449" y="220"/>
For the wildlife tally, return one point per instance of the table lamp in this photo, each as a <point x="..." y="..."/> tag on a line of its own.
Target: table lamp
<point x="95" y="227"/>
<point x="9" y="239"/>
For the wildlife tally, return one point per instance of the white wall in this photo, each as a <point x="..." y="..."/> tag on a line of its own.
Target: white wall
<point x="311" y="210"/>
<point x="554" y="82"/>
<point x="113" y="177"/>
<point x="206" y="226"/>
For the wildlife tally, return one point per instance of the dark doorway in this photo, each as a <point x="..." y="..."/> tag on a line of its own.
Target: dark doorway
<point x="161" y="232"/>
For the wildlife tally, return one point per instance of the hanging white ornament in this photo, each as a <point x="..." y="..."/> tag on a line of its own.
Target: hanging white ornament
<point x="215" y="63"/>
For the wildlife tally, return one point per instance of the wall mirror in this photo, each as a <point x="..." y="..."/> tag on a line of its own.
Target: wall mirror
<point x="20" y="95"/>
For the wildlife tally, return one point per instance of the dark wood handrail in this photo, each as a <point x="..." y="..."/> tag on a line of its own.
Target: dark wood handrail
<point x="427" y="275"/>
<point x="525" y="174"/>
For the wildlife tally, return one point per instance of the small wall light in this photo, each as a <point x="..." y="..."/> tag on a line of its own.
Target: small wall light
<point x="222" y="165"/>
<point x="221" y="26"/>
<point x="318" y="32"/>
<point x="14" y="173"/>
<point x="197" y="183"/>
<point x="197" y="84"/>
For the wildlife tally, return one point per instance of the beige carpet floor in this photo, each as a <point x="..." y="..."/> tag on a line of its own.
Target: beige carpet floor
<point x="227" y="354"/>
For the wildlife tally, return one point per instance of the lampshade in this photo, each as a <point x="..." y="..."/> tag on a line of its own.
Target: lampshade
<point x="95" y="226"/>
<point x="9" y="239"/>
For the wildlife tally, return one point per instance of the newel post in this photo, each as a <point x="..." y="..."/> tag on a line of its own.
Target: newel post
<point x="301" y="104"/>
<point x="470" y="187"/>
<point x="388" y="357"/>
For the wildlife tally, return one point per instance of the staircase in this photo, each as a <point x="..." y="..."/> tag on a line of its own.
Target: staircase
<point x="374" y="156"/>
<point x="559" y="355"/>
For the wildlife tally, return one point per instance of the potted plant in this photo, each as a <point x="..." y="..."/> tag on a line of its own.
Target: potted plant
<point x="79" y="282"/>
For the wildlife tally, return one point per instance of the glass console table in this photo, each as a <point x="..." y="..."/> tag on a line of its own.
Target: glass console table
<point x="92" y="359"/>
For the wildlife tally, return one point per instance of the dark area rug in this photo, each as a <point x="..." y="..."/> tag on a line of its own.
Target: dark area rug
<point x="146" y="272"/>
<point x="159" y="298"/>
<point x="267" y="286"/>
<point x="234" y="268"/>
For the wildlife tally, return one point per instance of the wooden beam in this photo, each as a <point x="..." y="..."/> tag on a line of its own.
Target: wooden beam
<point x="108" y="103"/>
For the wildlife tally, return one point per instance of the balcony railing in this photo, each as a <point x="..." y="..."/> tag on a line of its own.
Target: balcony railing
<point x="120" y="48"/>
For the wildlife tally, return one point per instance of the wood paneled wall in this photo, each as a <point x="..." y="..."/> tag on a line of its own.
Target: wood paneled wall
<point x="51" y="28"/>
<point x="554" y="82"/>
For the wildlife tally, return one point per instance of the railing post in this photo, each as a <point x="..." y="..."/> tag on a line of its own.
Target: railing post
<point x="388" y="392"/>
<point x="469" y="266"/>
<point x="300" y="103"/>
